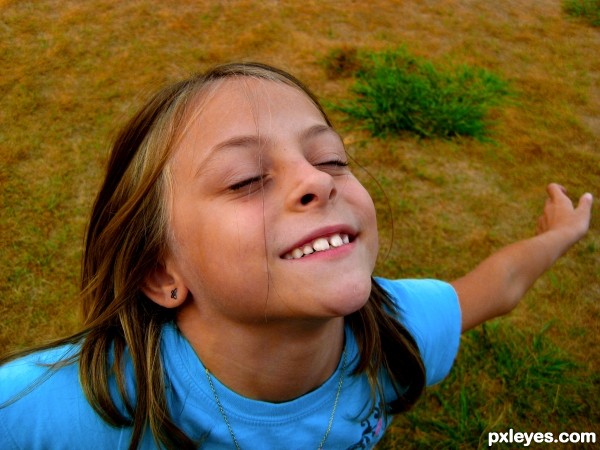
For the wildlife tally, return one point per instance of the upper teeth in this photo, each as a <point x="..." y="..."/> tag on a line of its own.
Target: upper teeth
<point x="319" y="245"/>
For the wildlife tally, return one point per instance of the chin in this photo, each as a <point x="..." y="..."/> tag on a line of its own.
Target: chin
<point x="351" y="298"/>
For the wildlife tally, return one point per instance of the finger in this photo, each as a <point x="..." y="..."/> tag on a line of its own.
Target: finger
<point x="550" y="205"/>
<point x="556" y="191"/>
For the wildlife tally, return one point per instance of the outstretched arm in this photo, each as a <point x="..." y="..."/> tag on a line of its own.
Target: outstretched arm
<point x="496" y="285"/>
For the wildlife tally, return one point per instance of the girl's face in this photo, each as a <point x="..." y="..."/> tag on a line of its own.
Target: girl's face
<point x="259" y="179"/>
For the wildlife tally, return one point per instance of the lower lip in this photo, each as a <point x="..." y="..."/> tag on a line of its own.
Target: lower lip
<point x="333" y="252"/>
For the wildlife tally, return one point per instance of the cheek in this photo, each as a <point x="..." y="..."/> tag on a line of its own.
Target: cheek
<point x="223" y="263"/>
<point x="368" y="215"/>
<point x="212" y="238"/>
<point x="365" y="206"/>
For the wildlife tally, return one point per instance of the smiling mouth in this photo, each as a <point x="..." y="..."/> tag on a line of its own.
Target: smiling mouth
<point x="321" y="244"/>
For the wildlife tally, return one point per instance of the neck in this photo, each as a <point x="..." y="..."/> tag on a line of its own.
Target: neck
<point x="272" y="362"/>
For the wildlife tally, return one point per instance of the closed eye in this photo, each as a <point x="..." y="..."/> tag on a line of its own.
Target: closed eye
<point x="333" y="167"/>
<point x="245" y="183"/>
<point x="335" y="163"/>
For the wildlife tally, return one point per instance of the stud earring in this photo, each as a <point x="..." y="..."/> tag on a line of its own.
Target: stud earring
<point x="174" y="294"/>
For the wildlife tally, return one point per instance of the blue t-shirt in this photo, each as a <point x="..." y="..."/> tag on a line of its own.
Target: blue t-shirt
<point x="56" y="415"/>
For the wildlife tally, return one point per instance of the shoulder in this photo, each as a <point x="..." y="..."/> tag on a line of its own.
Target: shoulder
<point x="22" y="374"/>
<point x="423" y="303"/>
<point x="430" y="311"/>
<point x="41" y="401"/>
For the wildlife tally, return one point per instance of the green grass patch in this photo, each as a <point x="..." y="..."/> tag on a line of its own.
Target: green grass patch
<point x="585" y="9"/>
<point x="503" y="378"/>
<point x="396" y="92"/>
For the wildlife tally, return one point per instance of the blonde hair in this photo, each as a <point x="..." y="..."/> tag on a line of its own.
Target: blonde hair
<point x="126" y="239"/>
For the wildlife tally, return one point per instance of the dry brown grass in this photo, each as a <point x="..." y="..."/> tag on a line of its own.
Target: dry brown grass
<point x="70" y="71"/>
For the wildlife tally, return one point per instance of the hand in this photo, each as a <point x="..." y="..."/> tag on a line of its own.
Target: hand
<point x="497" y="284"/>
<point x="560" y="215"/>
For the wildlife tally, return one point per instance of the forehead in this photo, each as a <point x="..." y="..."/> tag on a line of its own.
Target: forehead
<point x="246" y="106"/>
<point x="241" y="98"/>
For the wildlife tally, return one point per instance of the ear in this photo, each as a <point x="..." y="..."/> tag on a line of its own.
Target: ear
<point x="164" y="287"/>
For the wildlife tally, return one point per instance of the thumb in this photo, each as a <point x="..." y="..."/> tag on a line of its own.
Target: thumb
<point x="584" y="210"/>
<point x="585" y="203"/>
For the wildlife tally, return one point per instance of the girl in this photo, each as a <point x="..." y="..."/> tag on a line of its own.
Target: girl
<point x="227" y="288"/>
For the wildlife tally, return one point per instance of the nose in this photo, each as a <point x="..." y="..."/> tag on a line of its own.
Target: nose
<point x="310" y="187"/>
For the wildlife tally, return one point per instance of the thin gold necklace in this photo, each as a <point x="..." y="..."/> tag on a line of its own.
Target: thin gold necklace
<point x="329" y="425"/>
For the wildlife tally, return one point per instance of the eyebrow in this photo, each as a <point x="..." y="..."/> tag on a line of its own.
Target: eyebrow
<point x="317" y="129"/>
<point x="254" y="140"/>
<point x="236" y="141"/>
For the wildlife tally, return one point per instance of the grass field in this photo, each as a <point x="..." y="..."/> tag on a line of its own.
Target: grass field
<point x="72" y="71"/>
